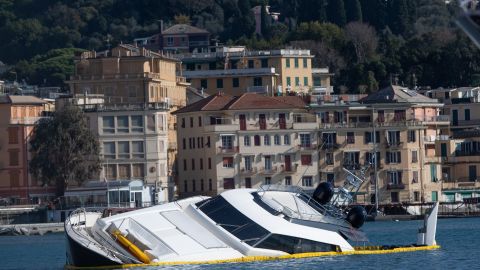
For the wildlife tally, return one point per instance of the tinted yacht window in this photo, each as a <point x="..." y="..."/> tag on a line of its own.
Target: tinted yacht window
<point x="294" y="245"/>
<point x="232" y="220"/>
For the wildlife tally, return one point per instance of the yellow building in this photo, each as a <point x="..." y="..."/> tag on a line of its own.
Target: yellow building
<point x="136" y="77"/>
<point x="236" y="70"/>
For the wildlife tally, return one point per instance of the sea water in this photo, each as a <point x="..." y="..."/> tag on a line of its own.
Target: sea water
<point x="459" y="239"/>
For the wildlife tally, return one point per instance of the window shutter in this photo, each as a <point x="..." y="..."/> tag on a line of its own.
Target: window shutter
<point x="399" y="177"/>
<point x="388" y="158"/>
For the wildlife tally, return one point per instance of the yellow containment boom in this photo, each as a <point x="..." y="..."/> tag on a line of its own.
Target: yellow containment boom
<point x="131" y="247"/>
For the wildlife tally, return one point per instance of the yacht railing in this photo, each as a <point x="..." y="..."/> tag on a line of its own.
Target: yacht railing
<point x="325" y="210"/>
<point x="83" y="226"/>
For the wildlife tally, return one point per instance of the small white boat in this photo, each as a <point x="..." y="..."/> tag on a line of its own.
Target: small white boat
<point x="271" y="221"/>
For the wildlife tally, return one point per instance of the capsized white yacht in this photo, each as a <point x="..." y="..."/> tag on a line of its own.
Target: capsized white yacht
<point x="270" y="221"/>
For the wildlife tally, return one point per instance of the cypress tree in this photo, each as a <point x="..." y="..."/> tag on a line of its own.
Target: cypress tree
<point x="336" y="12"/>
<point x="353" y="11"/>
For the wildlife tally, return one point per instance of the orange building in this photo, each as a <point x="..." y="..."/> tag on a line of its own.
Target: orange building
<point x="18" y="115"/>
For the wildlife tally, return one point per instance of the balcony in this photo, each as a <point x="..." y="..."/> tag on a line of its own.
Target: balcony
<point x="217" y="73"/>
<point x="437" y="119"/>
<point x="304" y="122"/>
<point x="330" y="146"/>
<point x="433" y="138"/>
<point x="261" y="89"/>
<point x="393" y="144"/>
<point x="291" y="170"/>
<point x="307" y="147"/>
<point x="268" y="171"/>
<point x="26" y="120"/>
<point x="467" y="123"/>
<point x="248" y="171"/>
<point x="227" y="150"/>
<point x="221" y="125"/>
<point x="392" y="186"/>
<point x="462" y="183"/>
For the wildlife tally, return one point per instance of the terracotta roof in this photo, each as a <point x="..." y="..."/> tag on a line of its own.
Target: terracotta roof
<point x="27" y="100"/>
<point x="246" y="101"/>
<point x="184" y="29"/>
<point x="397" y="94"/>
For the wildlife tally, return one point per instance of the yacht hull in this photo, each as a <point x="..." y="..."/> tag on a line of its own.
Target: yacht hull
<point x="82" y="256"/>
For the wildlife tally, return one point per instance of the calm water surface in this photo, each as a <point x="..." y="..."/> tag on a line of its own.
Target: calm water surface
<point x="459" y="238"/>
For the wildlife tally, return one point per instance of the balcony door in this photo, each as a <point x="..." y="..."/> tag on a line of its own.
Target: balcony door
<point x="281" y="120"/>
<point x="243" y="122"/>
<point x="472" y="173"/>
<point x="288" y="163"/>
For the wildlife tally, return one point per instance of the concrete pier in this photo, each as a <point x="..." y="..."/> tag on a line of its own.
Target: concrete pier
<point x="31" y="229"/>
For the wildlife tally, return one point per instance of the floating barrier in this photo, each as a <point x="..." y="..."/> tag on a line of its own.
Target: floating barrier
<point x="366" y="250"/>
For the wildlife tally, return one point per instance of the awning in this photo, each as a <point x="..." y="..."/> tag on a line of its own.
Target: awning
<point x="85" y="193"/>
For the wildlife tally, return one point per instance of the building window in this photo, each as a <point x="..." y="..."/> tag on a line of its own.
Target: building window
<point x="199" y="121"/>
<point x="194" y="186"/>
<point x="170" y="41"/>
<point x="256" y="140"/>
<point x="411" y="136"/>
<point x="246" y="140"/>
<point x="266" y="140"/>
<point x="276" y="139"/>
<point x="184" y="143"/>
<point x="268" y="163"/>
<point x="227" y="162"/>
<point x="13" y="157"/>
<point x="14" y="178"/>
<point x="262" y="121"/>
<point x="305" y="81"/>
<point x="248" y="163"/>
<point x="329" y="158"/>
<point x="227" y="142"/>
<point x="414" y="156"/>
<point x="108" y="124"/>
<point x="248" y="182"/>
<point x="307" y="181"/>
<point x="123" y="150"/>
<point x="305" y="140"/>
<point x="287" y="62"/>
<point x="268" y="181"/>
<point x="235" y="82"/>
<point x="394" y="157"/>
<point x="306" y="160"/>
<point x="138" y="171"/>
<point x="264" y="63"/>
<point x="185" y="186"/>
<point x="414" y="177"/>
<point x="467" y="114"/>
<point x="393" y="137"/>
<point x="433" y="172"/>
<point x="220" y="83"/>
<point x="288" y="180"/>
<point x="183" y="123"/>
<point x="184" y="164"/>
<point x="331" y="178"/>
<point x="201" y="164"/>
<point x="369" y="137"/>
<point x="289" y="81"/>
<point x="297" y="81"/>
<point x="381" y="116"/>
<point x="394" y="197"/>
<point x="257" y="81"/>
<point x="204" y="83"/>
<point x="399" y="115"/>
<point x="210" y="185"/>
<point x="416" y="196"/>
<point x="208" y="141"/>
<point x="122" y="124"/>
<point x="109" y="150"/>
<point x="372" y="159"/>
<point x="286" y="139"/>
<point x="209" y="163"/>
<point x="305" y="62"/>
<point x="296" y="62"/>
<point x="137" y="123"/>
<point x="138" y="149"/>
<point x="193" y="164"/>
<point x="434" y="196"/>
<point x="350" y="137"/>
<point x="228" y="183"/>
<point x="251" y="64"/>
<point x="394" y="177"/>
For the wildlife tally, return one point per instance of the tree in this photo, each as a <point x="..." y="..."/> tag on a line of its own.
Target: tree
<point x="265" y="22"/>
<point x="64" y="150"/>
<point x="336" y="12"/>
<point x="398" y="14"/>
<point x="363" y="39"/>
<point x="353" y="10"/>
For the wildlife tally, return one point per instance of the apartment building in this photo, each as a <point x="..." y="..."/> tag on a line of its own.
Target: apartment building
<point x="228" y="142"/>
<point x="460" y="155"/>
<point x="236" y="70"/>
<point x="179" y="38"/>
<point x="395" y="129"/>
<point x="128" y="76"/>
<point x="18" y="115"/>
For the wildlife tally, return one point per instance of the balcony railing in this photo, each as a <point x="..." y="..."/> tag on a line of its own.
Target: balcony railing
<point x="307" y="147"/>
<point x="258" y="89"/>
<point x="291" y="169"/>
<point x="330" y="145"/>
<point x="227" y="150"/>
<point x="467" y="153"/>
<point x="248" y="171"/>
<point x="393" y="144"/>
<point x="434" y="138"/>
<point x="268" y="171"/>
<point x="391" y="186"/>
